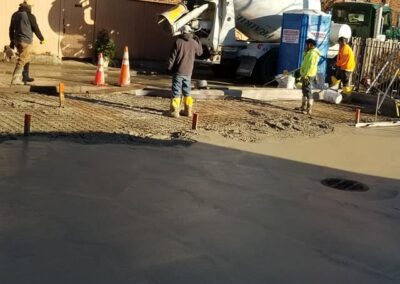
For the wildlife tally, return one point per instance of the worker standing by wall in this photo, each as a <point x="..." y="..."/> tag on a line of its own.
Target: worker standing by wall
<point x="308" y="71"/>
<point x="181" y="63"/>
<point x="345" y="63"/>
<point x="23" y="25"/>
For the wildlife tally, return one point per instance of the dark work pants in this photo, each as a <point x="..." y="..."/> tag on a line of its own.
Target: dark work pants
<point x="343" y="76"/>
<point x="307" y="86"/>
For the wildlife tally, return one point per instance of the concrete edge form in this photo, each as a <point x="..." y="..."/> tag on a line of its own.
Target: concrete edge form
<point x="378" y="124"/>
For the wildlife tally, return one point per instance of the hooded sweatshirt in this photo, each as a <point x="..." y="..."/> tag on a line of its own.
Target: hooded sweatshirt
<point x="24" y="25"/>
<point x="309" y="67"/>
<point x="183" y="54"/>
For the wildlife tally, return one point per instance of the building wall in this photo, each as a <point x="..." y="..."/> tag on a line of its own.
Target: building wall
<point x="396" y="8"/>
<point x="42" y="10"/>
<point x="132" y="23"/>
<point x="395" y="4"/>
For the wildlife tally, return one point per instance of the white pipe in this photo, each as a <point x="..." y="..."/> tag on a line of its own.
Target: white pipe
<point x="378" y="22"/>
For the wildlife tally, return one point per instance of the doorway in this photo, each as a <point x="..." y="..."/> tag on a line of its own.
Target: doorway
<point x="78" y="19"/>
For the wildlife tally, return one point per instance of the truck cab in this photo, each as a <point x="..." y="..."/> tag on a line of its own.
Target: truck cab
<point x="362" y="17"/>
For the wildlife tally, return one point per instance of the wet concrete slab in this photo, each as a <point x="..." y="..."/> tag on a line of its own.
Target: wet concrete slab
<point x="129" y="213"/>
<point x="78" y="78"/>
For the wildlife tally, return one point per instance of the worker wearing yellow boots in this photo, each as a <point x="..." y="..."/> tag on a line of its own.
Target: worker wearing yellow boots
<point x="181" y="62"/>
<point x="345" y="63"/>
<point x="308" y="71"/>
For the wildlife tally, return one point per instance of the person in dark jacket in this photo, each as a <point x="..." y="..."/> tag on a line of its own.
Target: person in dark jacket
<point x="181" y="63"/>
<point x="23" y="26"/>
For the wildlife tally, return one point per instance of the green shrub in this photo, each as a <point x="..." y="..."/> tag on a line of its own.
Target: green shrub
<point x="105" y="44"/>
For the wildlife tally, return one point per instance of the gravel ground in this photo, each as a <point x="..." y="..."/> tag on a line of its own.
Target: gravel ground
<point x="95" y="116"/>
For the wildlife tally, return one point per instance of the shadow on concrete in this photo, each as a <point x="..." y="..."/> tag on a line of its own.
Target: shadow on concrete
<point x="97" y="138"/>
<point x="44" y="90"/>
<point x="121" y="213"/>
<point x="116" y="105"/>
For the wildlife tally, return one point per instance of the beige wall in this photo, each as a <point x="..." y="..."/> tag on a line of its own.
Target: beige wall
<point x="41" y="10"/>
<point x="133" y="23"/>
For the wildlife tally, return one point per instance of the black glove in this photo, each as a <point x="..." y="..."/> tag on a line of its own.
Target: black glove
<point x="12" y="45"/>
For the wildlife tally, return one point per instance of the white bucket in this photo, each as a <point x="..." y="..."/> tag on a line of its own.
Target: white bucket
<point x="286" y="81"/>
<point x="333" y="96"/>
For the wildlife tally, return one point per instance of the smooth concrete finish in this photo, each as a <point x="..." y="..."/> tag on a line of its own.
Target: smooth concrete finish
<point x="54" y="89"/>
<point x="76" y="213"/>
<point x="166" y="93"/>
<point x="265" y="94"/>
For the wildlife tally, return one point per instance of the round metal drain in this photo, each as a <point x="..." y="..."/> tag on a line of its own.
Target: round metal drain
<point x="344" y="184"/>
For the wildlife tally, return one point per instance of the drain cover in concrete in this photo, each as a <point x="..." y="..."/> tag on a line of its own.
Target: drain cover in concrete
<point x="344" y="184"/>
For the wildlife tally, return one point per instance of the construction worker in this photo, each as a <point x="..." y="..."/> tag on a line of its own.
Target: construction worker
<point x="181" y="62"/>
<point x="308" y="72"/>
<point x="345" y="64"/>
<point x="23" y="26"/>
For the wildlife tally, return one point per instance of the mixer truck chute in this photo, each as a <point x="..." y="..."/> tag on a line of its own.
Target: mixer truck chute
<point x="215" y="23"/>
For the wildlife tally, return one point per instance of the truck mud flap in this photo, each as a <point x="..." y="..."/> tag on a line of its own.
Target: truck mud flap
<point x="246" y="67"/>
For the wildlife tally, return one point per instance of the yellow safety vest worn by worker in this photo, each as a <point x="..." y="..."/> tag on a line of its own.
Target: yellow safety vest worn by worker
<point x="345" y="59"/>
<point x="309" y="67"/>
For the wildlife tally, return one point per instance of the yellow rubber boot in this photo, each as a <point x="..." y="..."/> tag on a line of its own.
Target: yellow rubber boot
<point x="348" y="90"/>
<point x="310" y="104"/>
<point x="335" y="81"/>
<point x="303" y="104"/>
<point x="175" y="107"/>
<point x="188" y="107"/>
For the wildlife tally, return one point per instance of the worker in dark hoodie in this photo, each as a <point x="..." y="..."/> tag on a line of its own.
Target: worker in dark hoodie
<point x="23" y="26"/>
<point x="181" y="63"/>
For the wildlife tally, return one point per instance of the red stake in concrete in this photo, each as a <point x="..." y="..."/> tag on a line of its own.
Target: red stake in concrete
<point x="27" y="124"/>
<point x="358" y="115"/>
<point x="195" y="121"/>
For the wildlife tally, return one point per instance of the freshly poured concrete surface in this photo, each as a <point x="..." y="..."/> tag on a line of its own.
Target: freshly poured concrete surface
<point x="76" y="213"/>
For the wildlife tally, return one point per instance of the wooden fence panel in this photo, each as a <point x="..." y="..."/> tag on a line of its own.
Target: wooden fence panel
<point x="371" y="56"/>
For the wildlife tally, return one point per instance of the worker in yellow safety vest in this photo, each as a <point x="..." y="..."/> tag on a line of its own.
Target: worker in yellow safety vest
<point x="345" y="63"/>
<point x="308" y="72"/>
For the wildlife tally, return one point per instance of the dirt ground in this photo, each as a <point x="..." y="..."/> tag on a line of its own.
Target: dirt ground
<point x="91" y="116"/>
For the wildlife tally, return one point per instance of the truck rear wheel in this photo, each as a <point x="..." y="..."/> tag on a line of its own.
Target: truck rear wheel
<point x="226" y="69"/>
<point x="266" y="67"/>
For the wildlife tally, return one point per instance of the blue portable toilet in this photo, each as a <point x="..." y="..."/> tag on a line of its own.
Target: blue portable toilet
<point x="297" y="27"/>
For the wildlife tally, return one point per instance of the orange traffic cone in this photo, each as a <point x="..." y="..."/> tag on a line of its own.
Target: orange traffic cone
<point x="100" y="77"/>
<point x="125" y="78"/>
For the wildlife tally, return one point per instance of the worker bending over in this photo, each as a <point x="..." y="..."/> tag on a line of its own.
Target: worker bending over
<point x="345" y="64"/>
<point x="308" y="72"/>
<point x="181" y="62"/>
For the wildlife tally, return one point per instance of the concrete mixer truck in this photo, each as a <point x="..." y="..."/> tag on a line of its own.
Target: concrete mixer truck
<point x="239" y="36"/>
